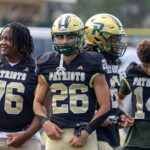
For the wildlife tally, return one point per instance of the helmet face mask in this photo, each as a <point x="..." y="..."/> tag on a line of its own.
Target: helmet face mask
<point x="115" y="46"/>
<point x="68" y="25"/>
<point x="68" y="47"/>
<point x="106" y="32"/>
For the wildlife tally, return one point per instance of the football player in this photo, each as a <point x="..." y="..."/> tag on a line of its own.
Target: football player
<point x="138" y="76"/>
<point x="75" y="80"/>
<point x="104" y="34"/>
<point x="17" y="86"/>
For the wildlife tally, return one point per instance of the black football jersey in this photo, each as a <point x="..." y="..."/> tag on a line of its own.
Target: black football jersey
<point x="113" y="75"/>
<point x="73" y="99"/>
<point x="140" y="85"/>
<point x="113" y="79"/>
<point x="17" y="87"/>
<point x="110" y="134"/>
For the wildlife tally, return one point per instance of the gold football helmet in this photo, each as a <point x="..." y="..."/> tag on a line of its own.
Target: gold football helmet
<point x="68" y="24"/>
<point x="106" y="32"/>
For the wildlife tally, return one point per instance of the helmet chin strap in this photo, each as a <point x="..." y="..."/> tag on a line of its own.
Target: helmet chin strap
<point x="61" y="69"/>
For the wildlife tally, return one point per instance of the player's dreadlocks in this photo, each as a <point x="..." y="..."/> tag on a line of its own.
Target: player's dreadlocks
<point x="21" y="39"/>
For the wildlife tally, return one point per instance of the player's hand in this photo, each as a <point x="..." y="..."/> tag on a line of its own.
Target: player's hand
<point x="16" y="139"/>
<point x="52" y="130"/>
<point x="122" y="123"/>
<point x="130" y="121"/>
<point x="79" y="141"/>
<point x="125" y="121"/>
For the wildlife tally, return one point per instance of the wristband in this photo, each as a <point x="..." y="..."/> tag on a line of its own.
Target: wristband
<point x="41" y="119"/>
<point x="88" y="129"/>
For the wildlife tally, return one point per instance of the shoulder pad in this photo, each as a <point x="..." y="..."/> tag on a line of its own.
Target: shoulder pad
<point x="130" y="66"/>
<point x="45" y="57"/>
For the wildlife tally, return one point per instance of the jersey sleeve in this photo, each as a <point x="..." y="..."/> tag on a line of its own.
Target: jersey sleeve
<point x="100" y="66"/>
<point x="42" y="62"/>
<point x="129" y="68"/>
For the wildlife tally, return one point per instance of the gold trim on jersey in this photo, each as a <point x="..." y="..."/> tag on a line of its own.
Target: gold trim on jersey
<point x="92" y="78"/>
<point x="43" y="78"/>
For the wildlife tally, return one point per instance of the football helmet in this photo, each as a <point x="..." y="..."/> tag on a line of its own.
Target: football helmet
<point x="68" y="24"/>
<point x="106" y="32"/>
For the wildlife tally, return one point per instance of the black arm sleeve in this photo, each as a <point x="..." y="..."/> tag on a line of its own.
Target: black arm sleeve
<point x="96" y="122"/>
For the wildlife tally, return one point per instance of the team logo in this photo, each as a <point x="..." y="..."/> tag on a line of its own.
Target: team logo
<point x="80" y="68"/>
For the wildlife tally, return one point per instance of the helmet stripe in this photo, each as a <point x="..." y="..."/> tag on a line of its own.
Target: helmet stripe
<point x="63" y="21"/>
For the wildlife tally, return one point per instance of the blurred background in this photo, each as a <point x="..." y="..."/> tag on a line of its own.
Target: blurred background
<point x="40" y="14"/>
<point x="133" y="13"/>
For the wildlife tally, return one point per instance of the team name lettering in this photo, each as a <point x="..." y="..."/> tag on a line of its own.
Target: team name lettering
<point x="112" y="69"/>
<point x="141" y="82"/>
<point x="115" y="81"/>
<point x="67" y="76"/>
<point x="13" y="75"/>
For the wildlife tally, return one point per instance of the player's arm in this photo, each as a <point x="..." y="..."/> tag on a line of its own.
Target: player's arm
<point x="42" y="91"/>
<point x="48" y="104"/>
<point x="40" y="97"/>
<point x="102" y="94"/>
<point x="103" y="97"/>
<point x="19" y="138"/>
